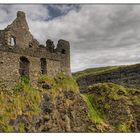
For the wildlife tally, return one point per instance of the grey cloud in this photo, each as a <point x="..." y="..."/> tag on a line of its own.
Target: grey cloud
<point x="100" y="35"/>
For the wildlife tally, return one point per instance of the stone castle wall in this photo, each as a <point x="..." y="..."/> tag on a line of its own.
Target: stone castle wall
<point x="16" y="41"/>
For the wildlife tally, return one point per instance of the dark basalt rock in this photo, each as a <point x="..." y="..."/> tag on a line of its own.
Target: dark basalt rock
<point x="69" y="95"/>
<point x="46" y="86"/>
<point x="47" y="105"/>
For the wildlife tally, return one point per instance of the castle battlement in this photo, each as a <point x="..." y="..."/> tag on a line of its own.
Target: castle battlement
<point x="22" y="54"/>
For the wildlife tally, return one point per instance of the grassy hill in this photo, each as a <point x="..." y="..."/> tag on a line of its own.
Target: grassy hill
<point x="127" y="75"/>
<point x="112" y="96"/>
<point x="100" y="70"/>
<point x="93" y="71"/>
<point x="113" y="108"/>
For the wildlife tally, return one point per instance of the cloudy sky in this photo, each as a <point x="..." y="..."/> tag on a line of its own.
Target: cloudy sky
<point x="100" y="35"/>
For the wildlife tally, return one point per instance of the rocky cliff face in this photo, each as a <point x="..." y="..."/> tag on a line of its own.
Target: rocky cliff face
<point x="54" y="106"/>
<point x="67" y="113"/>
<point x="113" y="97"/>
<point x="115" y="106"/>
<point x="128" y="76"/>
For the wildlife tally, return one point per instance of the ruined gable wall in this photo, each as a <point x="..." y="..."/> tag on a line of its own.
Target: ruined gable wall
<point x="20" y="31"/>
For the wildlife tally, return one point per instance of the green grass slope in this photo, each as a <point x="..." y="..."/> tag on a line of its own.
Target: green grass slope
<point x="92" y="71"/>
<point x="113" y="108"/>
<point x="99" y="70"/>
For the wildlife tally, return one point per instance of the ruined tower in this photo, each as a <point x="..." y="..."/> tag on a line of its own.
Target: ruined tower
<point x="21" y="54"/>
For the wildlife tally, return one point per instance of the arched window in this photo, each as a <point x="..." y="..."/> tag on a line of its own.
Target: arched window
<point x="63" y="51"/>
<point x="30" y="45"/>
<point x="12" y="41"/>
<point x="43" y="66"/>
<point x="24" y="66"/>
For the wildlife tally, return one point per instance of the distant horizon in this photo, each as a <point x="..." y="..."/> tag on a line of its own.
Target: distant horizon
<point x="106" y="66"/>
<point x="99" y="35"/>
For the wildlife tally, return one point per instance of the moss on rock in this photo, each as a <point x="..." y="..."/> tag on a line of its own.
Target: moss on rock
<point x="115" y="104"/>
<point x="28" y="108"/>
<point x="24" y="100"/>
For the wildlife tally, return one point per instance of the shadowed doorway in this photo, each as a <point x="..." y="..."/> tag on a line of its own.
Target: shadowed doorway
<point x="24" y="66"/>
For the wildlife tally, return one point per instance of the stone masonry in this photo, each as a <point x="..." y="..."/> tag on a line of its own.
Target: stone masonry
<point x="21" y="54"/>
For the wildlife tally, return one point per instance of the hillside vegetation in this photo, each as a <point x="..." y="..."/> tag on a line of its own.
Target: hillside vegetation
<point x="99" y="70"/>
<point x="112" y="95"/>
<point x="113" y="108"/>
<point x="94" y="71"/>
<point x="127" y="76"/>
<point x="55" y="105"/>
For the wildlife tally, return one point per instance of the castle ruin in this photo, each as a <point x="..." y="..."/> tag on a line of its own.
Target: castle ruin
<point x="21" y="54"/>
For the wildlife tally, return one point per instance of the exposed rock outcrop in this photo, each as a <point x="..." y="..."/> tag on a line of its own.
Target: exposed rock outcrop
<point x="128" y="76"/>
<point x="59" y="108"/>
<point x="67" y="113"/>
<point x="116" y="106"/>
